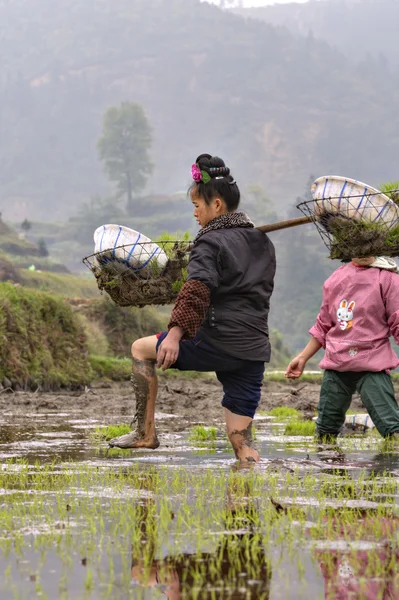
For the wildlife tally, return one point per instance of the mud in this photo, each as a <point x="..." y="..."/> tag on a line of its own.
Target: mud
<point x="144" y="372"/>
<point x="193" y="401"/>
<point x="242" y="439"/>
<point x="79" y="520"/>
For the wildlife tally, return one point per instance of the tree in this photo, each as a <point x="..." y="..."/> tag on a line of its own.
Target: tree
<point x="42" y="248"/>
<point x="26" y="225"/>
<point x="124" y="148"/>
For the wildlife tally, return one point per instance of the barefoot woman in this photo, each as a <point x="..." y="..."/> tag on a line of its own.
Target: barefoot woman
<point x="219" y="321"/>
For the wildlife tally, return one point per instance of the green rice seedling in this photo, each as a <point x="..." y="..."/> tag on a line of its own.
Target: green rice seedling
<point x="205" y="451"/>
<point x="284" y="412"/>
<point x="305" y="428"/>
<point x="110" y="431"/>
<point x="200" y="433"/>
<point x="141" y="512"/>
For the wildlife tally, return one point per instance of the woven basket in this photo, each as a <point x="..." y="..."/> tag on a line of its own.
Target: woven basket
<point x="152" y="283"/>
<point x="353" y="219"/>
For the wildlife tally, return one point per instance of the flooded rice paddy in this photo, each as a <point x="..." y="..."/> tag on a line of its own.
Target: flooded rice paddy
<point x="79" y="521"/>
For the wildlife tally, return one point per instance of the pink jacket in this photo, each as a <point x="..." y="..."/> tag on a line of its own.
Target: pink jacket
<point x="359" y="312"/>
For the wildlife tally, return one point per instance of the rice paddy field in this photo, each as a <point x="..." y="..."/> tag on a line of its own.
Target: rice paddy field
<point x="81" y="521"/>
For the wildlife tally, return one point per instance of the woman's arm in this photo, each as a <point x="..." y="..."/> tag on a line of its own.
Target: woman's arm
<point x="190" y="307"/>
<point x="193" y="301"/>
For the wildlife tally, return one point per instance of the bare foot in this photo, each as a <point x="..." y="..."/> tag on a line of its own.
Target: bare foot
<point x="246" y="463"/>
<point x="133" y="440"/>
<point x="248" y="455"/>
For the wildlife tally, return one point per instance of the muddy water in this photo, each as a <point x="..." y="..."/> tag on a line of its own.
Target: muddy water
<point x="243" y="544"/>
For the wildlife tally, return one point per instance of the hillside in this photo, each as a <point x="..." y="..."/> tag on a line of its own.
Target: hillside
<point x="275" y="105"/>
<point x="364" y="30"/>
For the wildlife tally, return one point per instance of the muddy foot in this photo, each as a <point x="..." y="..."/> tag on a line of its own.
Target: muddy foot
<point x="133" y="440"/>
<point x="244" y="464"/>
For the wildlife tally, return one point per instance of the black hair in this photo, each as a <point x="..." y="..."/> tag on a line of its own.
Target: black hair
<point x="222" y="184"/>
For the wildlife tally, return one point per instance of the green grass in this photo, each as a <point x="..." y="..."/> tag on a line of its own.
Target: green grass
<point x="40" y="263"/>
<point x="199" y="433"/>
<point x="175" y="374"/>
<point x="113" y="369"/>
<point x="123" y="325"/>
<point x="284" y="412"/>
<point x="10" y="242"/>
<point x="41" y="341"/>
<point x="120" y="369"/>
<point x="306" y="377"/>
<point x="306" y="428"/>
<point x="109" y="432"/>
<point x="62" y="284"/>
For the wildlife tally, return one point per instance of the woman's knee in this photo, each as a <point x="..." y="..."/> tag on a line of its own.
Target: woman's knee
<point x="145" y="348"/>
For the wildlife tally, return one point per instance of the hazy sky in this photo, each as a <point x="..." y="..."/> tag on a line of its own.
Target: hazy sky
<point x="263" y="2"/>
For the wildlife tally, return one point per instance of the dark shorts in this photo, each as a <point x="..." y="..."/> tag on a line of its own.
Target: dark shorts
<point x="241" y="379"/>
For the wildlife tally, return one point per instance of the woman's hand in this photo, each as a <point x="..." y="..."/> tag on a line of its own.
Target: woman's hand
<point x="296" y="367"/>
<point x="168" y="351"/>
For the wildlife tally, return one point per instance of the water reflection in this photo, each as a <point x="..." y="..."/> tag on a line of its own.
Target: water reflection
<point x="358" y="557"/>
<point x="237" y="569"/>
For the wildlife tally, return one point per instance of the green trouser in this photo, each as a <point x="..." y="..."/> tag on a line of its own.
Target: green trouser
<point x="376" y="392"/>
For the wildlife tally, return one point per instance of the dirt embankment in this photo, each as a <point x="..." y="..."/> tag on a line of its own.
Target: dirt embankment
<point x="194" y="400"/>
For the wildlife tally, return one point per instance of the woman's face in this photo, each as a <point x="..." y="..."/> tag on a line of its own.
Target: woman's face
<point x="204" y="213"/>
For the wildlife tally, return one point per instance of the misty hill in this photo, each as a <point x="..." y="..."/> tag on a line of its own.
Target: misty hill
<point x="359" y="28"/>
<point x="277" y="106"/>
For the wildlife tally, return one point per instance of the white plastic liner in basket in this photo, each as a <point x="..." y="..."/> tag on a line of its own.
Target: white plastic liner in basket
<point x="125" y="245"/>
<point x="353" y="199"/>
<point x="355" y="422"/>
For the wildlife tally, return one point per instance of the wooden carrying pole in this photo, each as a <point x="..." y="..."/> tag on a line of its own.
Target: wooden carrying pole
<point x="284" y="224"/>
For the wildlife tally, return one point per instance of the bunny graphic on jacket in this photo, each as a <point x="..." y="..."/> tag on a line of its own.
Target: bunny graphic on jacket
<point x="345" y="314"/>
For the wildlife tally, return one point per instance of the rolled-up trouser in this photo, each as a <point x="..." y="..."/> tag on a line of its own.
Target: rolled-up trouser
<point x="241" y="379"/>
<point x="376" y="392"/>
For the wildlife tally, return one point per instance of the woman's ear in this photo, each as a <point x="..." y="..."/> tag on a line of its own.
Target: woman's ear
<point x="218" y="204"/>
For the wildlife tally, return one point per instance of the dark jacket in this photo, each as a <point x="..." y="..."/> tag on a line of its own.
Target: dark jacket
<point x="238" y="266"/>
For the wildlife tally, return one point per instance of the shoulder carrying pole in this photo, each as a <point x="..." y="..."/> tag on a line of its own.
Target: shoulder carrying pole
<point x="284" y="224"/>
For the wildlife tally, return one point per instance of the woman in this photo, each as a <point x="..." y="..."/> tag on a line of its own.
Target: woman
<point x="220" y="319"/>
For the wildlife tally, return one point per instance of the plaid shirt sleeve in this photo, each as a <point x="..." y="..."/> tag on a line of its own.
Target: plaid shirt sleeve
<point x="191" y="307"/>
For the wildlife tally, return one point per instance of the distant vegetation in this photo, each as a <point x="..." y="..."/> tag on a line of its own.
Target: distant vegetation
<point x="342" y="24"/>
<point x="274" y="104"/>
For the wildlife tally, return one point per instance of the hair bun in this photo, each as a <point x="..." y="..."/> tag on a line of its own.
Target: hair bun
<point x="212" y="179"/>
<point x="213" y="165"/>
<point x="219" y="171"/>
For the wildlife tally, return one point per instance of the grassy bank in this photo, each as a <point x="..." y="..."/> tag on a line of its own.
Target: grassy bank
<point x="63" y="284"/>
<point x="41" y="341"/>
<point x="119" y="326"/>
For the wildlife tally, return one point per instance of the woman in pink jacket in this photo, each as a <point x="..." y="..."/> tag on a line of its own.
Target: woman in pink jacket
<point x="359" y="313"/>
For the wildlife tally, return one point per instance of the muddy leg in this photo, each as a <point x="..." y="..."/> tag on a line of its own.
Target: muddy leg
<point x="145" y="386"/>
<point x="239" y="430"/>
